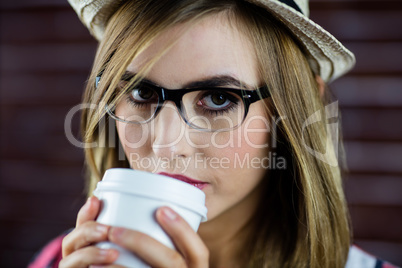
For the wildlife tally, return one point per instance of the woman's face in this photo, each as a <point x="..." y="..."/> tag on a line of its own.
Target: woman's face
<point x="229" y="163"/>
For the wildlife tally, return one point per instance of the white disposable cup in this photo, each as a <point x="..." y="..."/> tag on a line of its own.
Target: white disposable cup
<point x="131" y="197"/>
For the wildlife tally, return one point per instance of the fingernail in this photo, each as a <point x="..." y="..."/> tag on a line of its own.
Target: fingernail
<point x="107" y="254"/>
<point x="101" y="228"/>
<point x="169" y="214"/>
<point x="103" y="252"/>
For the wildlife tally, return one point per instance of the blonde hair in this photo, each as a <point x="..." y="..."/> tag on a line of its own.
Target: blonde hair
<point x="302" y="219"/>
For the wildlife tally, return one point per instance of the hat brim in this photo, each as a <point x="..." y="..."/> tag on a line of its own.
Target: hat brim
<point x="326" y="55"/>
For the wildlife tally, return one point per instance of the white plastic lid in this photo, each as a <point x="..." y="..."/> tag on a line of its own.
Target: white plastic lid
<point x="154" y="186"/>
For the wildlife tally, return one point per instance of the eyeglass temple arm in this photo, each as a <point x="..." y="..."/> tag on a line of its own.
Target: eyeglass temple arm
<point x="255" y="95"/>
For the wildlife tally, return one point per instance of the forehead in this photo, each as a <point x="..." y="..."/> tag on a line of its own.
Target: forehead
<point x="209" y="48"/>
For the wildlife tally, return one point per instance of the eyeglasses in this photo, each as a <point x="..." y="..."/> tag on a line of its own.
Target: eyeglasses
<point x="212" y="109"/>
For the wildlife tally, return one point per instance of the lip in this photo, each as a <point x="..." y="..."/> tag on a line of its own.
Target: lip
<point x="196" y="183"/>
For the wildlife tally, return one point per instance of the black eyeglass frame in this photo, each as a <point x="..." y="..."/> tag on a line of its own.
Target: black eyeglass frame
<point x="176" y="95"/>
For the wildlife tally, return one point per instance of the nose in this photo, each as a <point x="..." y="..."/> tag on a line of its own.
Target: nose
<point x="168" y="133"/>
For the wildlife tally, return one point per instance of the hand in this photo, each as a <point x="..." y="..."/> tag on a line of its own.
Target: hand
<point x="191" y="251"/>
<point x="78" y="249"/>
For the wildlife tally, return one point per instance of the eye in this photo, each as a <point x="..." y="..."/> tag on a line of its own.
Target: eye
<point x="143" y="94"/>
<point x="217" y="100"/>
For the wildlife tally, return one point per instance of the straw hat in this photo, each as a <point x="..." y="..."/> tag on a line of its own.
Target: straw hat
<point x="326" y="55"/>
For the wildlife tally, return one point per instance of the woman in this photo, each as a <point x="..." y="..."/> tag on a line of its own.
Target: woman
<point x="184" y="83"/>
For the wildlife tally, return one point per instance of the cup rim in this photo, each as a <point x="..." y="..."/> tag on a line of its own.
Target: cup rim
<point x="154" y="186"/>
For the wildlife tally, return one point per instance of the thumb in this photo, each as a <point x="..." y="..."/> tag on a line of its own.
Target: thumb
<point x="89" y="211"/>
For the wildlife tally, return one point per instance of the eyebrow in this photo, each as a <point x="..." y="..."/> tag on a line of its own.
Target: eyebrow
<point x="214" y="81"/>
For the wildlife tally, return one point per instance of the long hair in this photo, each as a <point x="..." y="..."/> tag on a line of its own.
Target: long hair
<point x="302" y="219"/>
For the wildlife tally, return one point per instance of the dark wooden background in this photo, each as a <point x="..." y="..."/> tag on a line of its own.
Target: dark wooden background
<point x="45" y="59"/>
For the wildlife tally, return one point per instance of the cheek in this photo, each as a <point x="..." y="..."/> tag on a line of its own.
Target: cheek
<point x="251" y="139"/>
<point x="256" y="131"/>
<point x="236" y="181"/>
<point x="135" y="139"/>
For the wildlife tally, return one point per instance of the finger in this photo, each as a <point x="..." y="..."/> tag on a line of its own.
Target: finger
<point x="147" y="248"/>
<point x="89" y="211"/>
<point x="84" y="235"/>
<point x="186" y="240"/>
<point x="89" y="255"/>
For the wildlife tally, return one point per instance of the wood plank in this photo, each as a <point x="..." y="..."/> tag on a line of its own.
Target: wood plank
<point x="42" y="177"/>
<point x="369" y="124"/>
<point x="38" y="119"/>
<point x="39" y="133"/>
<point x="376" y="58"/>
<point x="377" y="222"/>
<point x="36" y="58"/>
<point x="15" y="258"/>
<point x="369" y="189"/>
<point x="374" y="157"/>
<point x="44" y="26"/>
<point x="46" y="89"/>
<point x="29" y="235"/>
<point x="368" y="91"/>
<point x="6" y="5"/>
<point x="360" y="25"/>
<point x="355" y="4"/>
<point x="53" y="208"/>
<point x="51" y="148"/>
<point x="22" y="239"/>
